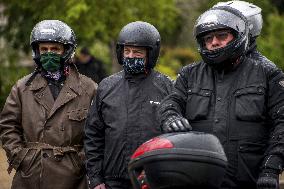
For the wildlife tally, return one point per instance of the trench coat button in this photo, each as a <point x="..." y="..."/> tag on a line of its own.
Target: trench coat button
<point x="216" y="120"/>
<point x="45" y="155"/>
<point x="219" y="98"/>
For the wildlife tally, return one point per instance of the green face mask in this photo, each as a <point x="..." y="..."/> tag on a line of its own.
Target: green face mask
<point x="50" y="61"/>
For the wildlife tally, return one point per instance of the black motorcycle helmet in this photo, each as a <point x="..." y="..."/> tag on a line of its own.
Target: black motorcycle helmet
<point x="222" y="18"/>
<point x="140" y="34"/>
<point x="53" y="31"/>
<point x="178" y="161"/>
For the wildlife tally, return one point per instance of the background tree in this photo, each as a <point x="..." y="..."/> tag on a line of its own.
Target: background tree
<point x="90" y="19"/>
<point x="97" y="23"/>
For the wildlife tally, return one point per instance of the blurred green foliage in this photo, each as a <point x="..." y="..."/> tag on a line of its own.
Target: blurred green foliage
<point x="271" y="43"/>
<point x="90" y="19"/>
<point x="98" y="22"/>
<point x="95" y="22"/>
<point x="8" y="77"/>
<point x="173" y="58"/>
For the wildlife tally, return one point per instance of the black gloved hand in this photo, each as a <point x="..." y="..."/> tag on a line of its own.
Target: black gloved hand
<point x="268" y="181"/>
<point x="176" y="124"/>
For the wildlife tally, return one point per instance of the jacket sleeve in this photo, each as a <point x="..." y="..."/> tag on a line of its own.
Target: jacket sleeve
<point x="169" y="85"/>
<point x="94" y="142"/>
<point x="11" y="131"/>
<point x="174" y="104"/>
<point x="275" y="152"/>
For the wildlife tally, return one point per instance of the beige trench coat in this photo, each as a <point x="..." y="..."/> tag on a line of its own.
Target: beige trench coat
<point x="43" y="138"/>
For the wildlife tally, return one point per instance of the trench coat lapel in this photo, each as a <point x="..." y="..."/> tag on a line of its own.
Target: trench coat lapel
<point x="70" y="90"/>
<point x="41" y="92"/>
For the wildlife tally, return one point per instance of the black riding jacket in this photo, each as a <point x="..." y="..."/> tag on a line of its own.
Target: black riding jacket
<point x="243" y="107"/>
<point x="121" y="118"/>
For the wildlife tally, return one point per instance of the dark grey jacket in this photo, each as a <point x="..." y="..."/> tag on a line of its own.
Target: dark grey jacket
<point x="121" y="118"/>
<point x="243" y="107"/>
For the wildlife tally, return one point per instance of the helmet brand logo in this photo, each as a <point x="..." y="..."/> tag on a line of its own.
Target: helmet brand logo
<point x="210" y="18"/>
<point x="153" y="102"/>
<point x="208" y="25"/>
<point x="47" y="31"/>
<point x="281" y="83"/>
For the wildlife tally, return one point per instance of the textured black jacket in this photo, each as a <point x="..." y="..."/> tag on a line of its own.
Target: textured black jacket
<point x="121" y="118"/>
<point x="243" y="107"/>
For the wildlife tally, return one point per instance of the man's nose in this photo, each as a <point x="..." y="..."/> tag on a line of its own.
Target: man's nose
<point x="49" y="50"/>
<point x="130" y="55"/>
<point x="215" y="41"/>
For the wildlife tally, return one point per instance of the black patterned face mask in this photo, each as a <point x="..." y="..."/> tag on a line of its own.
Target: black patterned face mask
<point x="134" y="65"/>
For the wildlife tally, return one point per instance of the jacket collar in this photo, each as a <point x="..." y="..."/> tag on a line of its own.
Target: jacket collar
<point x="136" y="77"/>
<point x="71" y="89"/>
<point x="72" y="81"/>
<point x="38" y="83"/>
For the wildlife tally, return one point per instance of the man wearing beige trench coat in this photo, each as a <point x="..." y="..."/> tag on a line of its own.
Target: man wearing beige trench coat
<point x="41" y="125"/>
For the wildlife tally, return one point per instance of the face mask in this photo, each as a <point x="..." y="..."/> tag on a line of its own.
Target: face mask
<point x="134" y="65"/>
<point x="50" y="61"/>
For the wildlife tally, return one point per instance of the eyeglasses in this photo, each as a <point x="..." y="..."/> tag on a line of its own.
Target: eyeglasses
<point x="220" y="35"/>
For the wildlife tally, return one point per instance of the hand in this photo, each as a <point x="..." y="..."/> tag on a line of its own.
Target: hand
<point x="100" y="186"/>
<point x="268" y="181"/>
<point x="176" y="124"/>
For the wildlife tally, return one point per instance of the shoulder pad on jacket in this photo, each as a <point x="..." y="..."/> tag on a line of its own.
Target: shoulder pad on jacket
<point x="21" y="83"/>
<point x="111" y="80"/>
<point x="162" y="77"/>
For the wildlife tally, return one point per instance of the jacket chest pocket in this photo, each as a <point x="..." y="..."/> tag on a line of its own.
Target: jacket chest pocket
<point x="250" y="103"/>
<point x="78" y="115"/>
<point x="197" y="105"/>
<point x="76" y="120"/>
<point x="74" y="128"/>
<point x="150" y="117"/>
